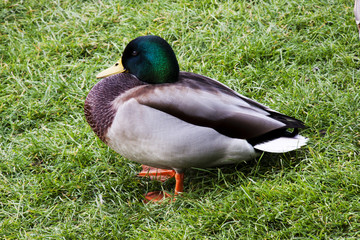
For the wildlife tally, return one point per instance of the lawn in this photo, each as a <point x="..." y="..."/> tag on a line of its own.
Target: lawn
<point x="59" y="181"/>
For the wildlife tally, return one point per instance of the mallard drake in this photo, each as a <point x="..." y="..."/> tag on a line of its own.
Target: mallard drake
<point x="149" y="112"/>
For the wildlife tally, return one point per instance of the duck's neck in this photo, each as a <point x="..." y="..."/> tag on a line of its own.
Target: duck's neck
<point x="98" y="108"/>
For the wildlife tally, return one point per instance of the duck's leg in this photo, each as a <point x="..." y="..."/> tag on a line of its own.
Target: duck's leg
<point x="179" y="185"/>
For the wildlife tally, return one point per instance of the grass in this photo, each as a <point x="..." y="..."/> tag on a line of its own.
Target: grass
<point x="58" y="181"/>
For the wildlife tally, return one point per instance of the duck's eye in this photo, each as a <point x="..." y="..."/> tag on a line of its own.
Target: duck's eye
<point x="134" y="53"/>
<point x="116" y="64"/>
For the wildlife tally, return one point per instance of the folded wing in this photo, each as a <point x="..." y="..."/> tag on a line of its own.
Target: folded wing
<point x="205" y="102"/>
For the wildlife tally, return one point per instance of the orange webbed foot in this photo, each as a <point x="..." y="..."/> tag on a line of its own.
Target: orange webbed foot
<point x="158" y="197"/>
<point x="156" y="173"/>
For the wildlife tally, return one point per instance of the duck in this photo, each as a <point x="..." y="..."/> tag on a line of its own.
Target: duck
<point x="150" y="112"/>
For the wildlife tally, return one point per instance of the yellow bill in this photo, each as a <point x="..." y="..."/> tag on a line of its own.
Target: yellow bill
<point x="116" y="68"/>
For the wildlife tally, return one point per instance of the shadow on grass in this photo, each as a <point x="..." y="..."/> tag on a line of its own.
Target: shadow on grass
<point x="204" y="180"/>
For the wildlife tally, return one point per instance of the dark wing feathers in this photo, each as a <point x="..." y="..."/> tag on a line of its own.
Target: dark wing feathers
<point x="215" y="85"/>
<point x="205" y="102"/>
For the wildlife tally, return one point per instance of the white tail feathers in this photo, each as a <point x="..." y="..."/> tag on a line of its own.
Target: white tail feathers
<point x="282" y="144"/>
<point x="357" y="14"/>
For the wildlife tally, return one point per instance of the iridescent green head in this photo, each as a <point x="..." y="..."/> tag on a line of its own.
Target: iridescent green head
<point x="150" y="58"/>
